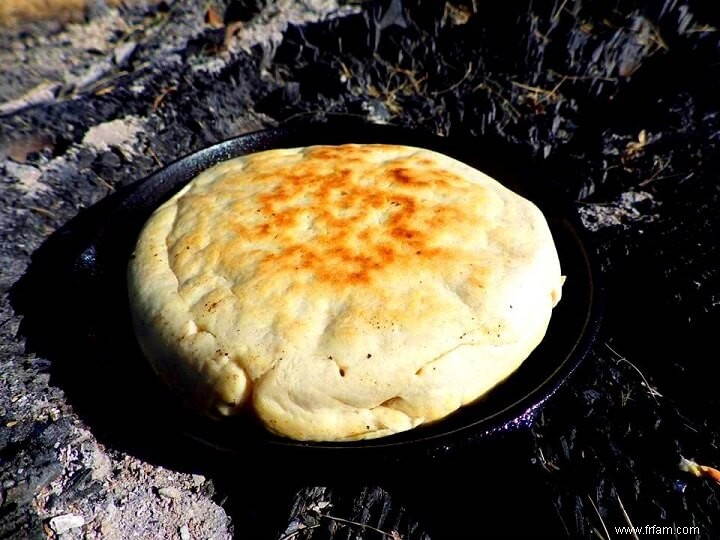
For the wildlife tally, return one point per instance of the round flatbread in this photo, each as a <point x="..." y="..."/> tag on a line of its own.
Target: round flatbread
<point x="342" y="292"/>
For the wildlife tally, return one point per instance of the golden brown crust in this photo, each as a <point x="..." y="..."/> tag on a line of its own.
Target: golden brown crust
<point x="346" y="292"/>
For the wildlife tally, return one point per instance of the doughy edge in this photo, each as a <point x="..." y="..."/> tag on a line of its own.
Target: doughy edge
<point x="207" y="372"/>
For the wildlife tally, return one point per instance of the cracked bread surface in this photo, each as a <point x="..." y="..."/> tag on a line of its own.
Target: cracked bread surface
<point x="342" y="292"/>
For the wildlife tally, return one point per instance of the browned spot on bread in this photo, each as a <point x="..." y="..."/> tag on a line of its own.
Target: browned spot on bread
<point x="338" y="213"/>
<point x="341" y="292"/>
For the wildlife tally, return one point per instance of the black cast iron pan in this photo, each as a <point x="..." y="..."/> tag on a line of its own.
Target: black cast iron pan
<point x="98" y="244"/>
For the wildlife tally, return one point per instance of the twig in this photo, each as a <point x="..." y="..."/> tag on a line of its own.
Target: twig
<point x="154" y="156"/>
<point x="547" y="465"/>
<point x="675" y="175"/>
<point x="542" y="37"/>
<point x="99" y="84"/>
<point x="602" y="522"/>
<point x="662" y="166"/>
<point x="557" y="511"/>
<point x="298" y="531"/>
<point x="388" y="91"/>
<point x="95" y="79"/>
<point x="656" y="38"/>
<point x="105" y="90"/>
<point x="458" y="83"/>
<point x="627" y="518"/>
<point x="42" y="211"/>
<point x="701" y="29"/>
<point x="653" y="392"/>
<point x="346" y="74"/>
<point x="105" y="183"/>
<point x="547" y="94"/>
<point x="559" y="10"/>
<point x="582" y="77"/>
<point x="691" y="428"/>
<point x="161" y="97"/>
<point x="411" y="77"/>
<point x="361" y="525"/>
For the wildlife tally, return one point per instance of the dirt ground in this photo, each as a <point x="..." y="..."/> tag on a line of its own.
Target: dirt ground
<point x="619" y="99"/>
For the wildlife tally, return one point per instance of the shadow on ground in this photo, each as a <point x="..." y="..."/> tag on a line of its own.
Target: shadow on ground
<point x="76" y="314"/>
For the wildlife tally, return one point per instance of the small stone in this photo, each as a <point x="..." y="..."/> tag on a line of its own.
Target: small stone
<point x="28" y="177"/>
<point x="198" y="479"/>
<point x="109" y="159"/>
<point x="185" y="533"/>
<point x="121" y="133"/>
<point x="170" y="492"/>
<point x="61" y="524"/>
<point x="123" y="53"/>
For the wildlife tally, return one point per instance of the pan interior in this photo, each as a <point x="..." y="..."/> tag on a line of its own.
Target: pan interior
<point x="572" y="327"/>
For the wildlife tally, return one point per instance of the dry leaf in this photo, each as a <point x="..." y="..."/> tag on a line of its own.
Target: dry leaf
<point x="213" y="18"/>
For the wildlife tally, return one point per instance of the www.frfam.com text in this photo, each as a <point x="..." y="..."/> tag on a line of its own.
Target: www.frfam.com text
<point x="658" y="529"/>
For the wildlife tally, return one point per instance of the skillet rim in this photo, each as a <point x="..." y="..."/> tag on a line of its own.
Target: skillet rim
<point x="133" y="205"/>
